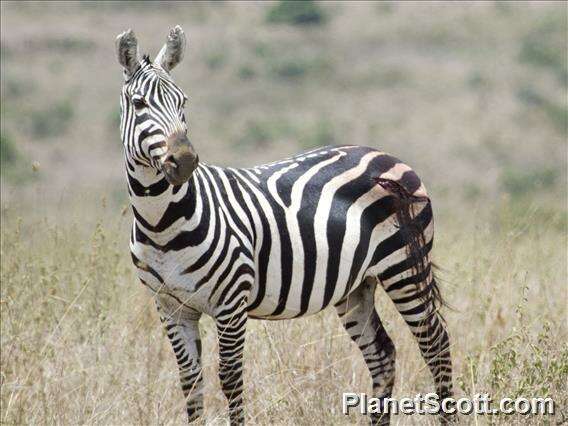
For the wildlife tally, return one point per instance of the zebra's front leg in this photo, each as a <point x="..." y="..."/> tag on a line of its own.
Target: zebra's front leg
<point x="182" y="328"/>
<point x="231" y="328"/>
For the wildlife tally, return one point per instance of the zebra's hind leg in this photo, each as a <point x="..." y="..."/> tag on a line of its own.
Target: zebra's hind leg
<point x="429" y="330"/>
<point x="182" y="328"/>
<point x="360" y="319"/>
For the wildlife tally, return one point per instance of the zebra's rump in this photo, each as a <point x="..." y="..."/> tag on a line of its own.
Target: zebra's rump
<point x="329" y="221"/>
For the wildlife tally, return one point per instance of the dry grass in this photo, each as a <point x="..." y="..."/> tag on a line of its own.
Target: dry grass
<point x="472" y="96"/>
<point x="81" y="342"/>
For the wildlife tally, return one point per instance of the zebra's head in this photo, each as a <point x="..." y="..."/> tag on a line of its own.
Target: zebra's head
<point x="152" y="124"/>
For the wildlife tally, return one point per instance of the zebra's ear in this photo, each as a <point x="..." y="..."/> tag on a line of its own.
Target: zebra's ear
<point x="127" y="51"/>
<point x="172" y="53"/>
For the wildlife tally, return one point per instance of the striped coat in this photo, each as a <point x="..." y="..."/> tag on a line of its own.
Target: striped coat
<point x="297" y="235"/>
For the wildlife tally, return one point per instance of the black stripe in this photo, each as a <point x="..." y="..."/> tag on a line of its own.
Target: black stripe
<point x="152" y="190"/>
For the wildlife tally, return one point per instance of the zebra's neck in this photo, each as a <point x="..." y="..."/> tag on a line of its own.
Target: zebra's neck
<point x="160" y="209"/>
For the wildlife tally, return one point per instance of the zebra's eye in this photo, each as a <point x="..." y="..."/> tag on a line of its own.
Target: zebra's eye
<point x="139" y="103"/>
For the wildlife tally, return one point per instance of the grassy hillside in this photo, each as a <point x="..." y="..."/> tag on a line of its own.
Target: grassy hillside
<point x="472" y="95"/>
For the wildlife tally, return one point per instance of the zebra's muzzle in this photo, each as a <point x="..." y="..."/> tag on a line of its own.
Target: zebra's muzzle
<point x="180" y="161"/>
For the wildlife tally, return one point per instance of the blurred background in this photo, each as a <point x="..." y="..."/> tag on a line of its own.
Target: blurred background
<point x="472" y="95"/>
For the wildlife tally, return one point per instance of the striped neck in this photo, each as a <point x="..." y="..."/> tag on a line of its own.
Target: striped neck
<point x="157" y="205"/>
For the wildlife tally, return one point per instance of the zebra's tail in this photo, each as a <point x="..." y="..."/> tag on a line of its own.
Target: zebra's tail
<point x="412" y="226"/>
<point x="420" y="309"/>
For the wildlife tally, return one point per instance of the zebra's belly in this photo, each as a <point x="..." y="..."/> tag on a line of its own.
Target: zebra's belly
<point x="322" y="265"/>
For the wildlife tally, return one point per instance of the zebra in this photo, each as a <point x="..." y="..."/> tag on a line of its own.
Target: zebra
<point x="277" y="241"/>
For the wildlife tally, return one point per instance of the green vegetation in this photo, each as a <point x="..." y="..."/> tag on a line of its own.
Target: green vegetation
<point x="305" y="12"/>
<point x="476" y="80"/>
<point x="13" y="166"/>
<point x="545" y="46"/>
<point x="557" y="113"/>
<point x="8" y="152"/>
<point x="13" y="87"/>
<point x="295" y="67"/>
<point x="246" y="72"/>
<point x="216" y="59"/>
<point x="53" y="120"/>
<point x="517" y="182"/>
<point x="290" y="68"/>
<point x="523" y="363"/>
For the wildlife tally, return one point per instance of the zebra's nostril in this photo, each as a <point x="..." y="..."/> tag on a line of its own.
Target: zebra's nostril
<point x="171" y="161"/>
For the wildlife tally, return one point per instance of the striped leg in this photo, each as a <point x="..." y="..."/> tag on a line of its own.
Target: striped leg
<point x="231" y="328"/>
<point x="360" y="319"/>
<point x="182" y="327"/>
<point x="429" y="329"/>
<point x="412" y="287"/>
